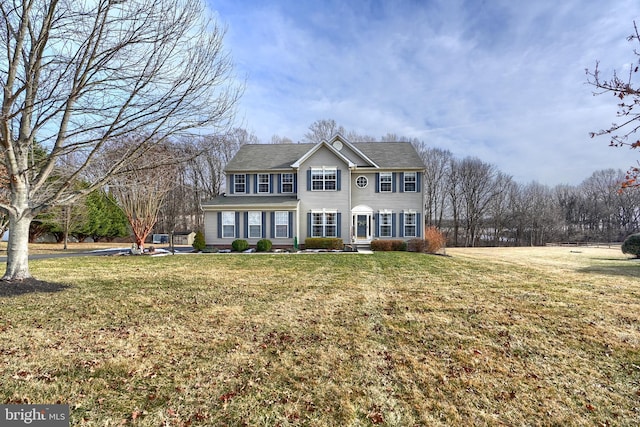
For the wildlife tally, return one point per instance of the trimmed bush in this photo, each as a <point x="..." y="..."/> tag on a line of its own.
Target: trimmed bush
<point x="631" y="245"/>
<point x="388" y="245"/>
<point x="240" y="245"/>
<point x="435" y="239"/>
<point x="198" y="242"/>
<point x="330" y="243"/>
<point x="263" y="245"/>
<point x="417" y="245"/>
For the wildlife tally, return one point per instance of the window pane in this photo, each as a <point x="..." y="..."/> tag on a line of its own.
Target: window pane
<point x="410" y="224"/>
<point x="282" y="224"/>
<point x="239" y="183"/>
<point x="287" y="183"/>
<point x="385" y="181"/>
<point x="410" y="181"/>
<point x="263" y="183"/>
<point x="228" y="224"/>
<point x="385" y="224"/>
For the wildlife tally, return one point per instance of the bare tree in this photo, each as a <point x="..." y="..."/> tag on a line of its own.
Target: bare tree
<point x="5" y="194"/>
<point x="141" y="189"/>
<point x="437" y="167"/>
<point x="322" y="130"/>
<point x="79" y="75"/>
<point x="627" y="90"/>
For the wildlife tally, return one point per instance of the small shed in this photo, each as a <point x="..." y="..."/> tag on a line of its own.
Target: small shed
<point x="184" y="238"/>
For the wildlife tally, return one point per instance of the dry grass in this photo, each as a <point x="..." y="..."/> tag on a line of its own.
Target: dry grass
<point x="58" y="248"/>
<point x="541" y="336"/>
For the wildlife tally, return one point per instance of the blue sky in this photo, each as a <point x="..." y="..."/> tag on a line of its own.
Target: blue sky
<point x="502" y="80"/>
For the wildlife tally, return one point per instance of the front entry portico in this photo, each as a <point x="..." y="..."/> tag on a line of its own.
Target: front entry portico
<point x="361" y="224"/>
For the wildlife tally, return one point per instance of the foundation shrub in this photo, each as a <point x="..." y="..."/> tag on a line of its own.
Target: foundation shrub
<point x="240" y="245"/>
<point x="331" y="243"/>
<point x="263" y="245"/>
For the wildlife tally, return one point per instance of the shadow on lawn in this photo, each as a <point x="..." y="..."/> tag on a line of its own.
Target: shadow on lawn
<point x="29" y="286"/>
<point x="632" y="269"/>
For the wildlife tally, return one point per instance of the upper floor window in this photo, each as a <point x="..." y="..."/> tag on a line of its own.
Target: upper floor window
<point x="239" y="183"/>
<point x="324" y="179"/>
<point x="263" y="183"/>
<point x="286" y="183"/>
<point x="386" y="181"/>
<point x="410" y="181"/>
<point x="361" y="181"/>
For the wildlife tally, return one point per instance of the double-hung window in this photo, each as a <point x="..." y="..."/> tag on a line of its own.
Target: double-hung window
<point x="410" y="224"/>
<point x="228" y="224"/>
<point x="263" y="183"/>
<point x="324" y="179"/>
<point x="386" y="224"/>
<point x="286" y="183"/>
<point x="324" y="224"/>
<point x="255" y="224"/>
<point x="386" y="180"/>
<point x="239" y="183"/>
<point x="282" y="224"/>
<point x="410" y="182"/>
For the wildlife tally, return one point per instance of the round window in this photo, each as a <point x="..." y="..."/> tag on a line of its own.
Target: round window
<point x="362" y="181"/>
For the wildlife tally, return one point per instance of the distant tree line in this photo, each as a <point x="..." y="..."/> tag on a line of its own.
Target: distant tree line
<point x="468" y="199"/>
<point x="476" y="204"/>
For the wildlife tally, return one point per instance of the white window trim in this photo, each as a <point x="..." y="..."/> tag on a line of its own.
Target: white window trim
<point x="325" y="170"/>
<point x="414" y="182"/>
<point x="251" y="217"/>
<point x="390" y="223"/>
<point x="285" y="215"/>
<point x="225" y="223"/>
<point x="415" y="223"/>
<point x="390" y="182"/>
<point x="283" y="183"/>
<point x="244" y="185"/>
<point x="324" y="224"/>
<point x="260" y="183"/>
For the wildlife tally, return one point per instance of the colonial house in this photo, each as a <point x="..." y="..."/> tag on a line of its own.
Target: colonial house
<point x="289" y="192"/>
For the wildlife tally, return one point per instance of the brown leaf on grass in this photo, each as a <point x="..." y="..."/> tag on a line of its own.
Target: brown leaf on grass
<point x="375" y="417"/>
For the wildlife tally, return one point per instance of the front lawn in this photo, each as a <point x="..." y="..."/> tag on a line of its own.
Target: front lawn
<point x="544" y="336"/>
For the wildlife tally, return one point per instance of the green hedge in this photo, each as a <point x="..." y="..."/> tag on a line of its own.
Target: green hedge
<point x="388" y="245"/>
<point x="263" y="245"/>
<point x="323" y="243"/>
<point x="631" y="245"/>
<point x="240" y="245"/>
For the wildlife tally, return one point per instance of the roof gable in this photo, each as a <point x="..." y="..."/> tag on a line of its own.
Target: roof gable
<point x="282" y="157"/>
<point x="315" y="149"/>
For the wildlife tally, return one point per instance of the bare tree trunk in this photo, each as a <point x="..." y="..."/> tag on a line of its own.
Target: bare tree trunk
<point x="18" y="246"/>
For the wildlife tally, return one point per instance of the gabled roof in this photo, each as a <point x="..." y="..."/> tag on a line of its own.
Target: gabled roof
<point x="375" y="155"/>
<point x="315" y="148"/>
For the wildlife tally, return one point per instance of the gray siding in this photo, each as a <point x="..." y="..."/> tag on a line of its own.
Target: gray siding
<point x="329" y="200"/>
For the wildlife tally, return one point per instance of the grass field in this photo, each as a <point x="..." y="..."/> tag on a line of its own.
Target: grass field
<point x="533" y="336"/>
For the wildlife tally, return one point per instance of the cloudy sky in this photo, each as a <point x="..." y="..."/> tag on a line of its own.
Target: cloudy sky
<point x="502" y="80"/>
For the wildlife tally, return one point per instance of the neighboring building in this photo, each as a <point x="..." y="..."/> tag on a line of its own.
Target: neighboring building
<point x="184" y="238"/>
<point x="288" y="192"/>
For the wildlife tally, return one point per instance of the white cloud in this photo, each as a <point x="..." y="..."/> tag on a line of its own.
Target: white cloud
<point x="500" y="80"/>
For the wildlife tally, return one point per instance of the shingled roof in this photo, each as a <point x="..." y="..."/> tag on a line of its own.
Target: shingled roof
<point x="387" y="155"/>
